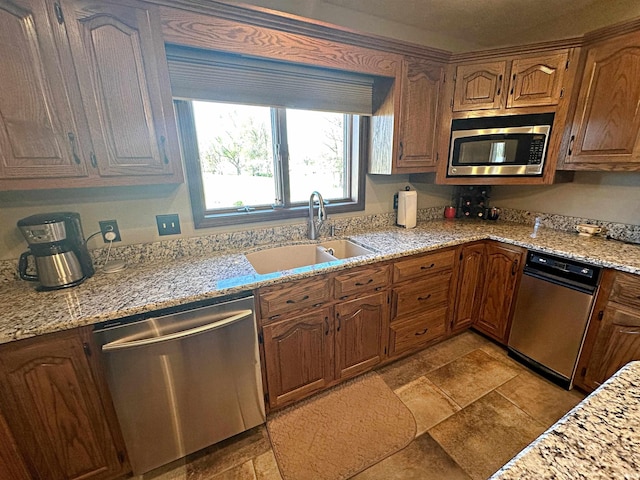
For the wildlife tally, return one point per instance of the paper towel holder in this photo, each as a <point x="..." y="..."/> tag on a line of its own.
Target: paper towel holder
<point x="407" y="208"/>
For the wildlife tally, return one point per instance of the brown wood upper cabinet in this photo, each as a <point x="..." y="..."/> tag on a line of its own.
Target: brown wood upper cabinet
<point x="420" y="100"/>
<point x="524" y="81"/>
<point x="613" y="337"/>
<point x="93" y="76"/>
<point x="606" y="125"/>
<point x="57" y="407"/>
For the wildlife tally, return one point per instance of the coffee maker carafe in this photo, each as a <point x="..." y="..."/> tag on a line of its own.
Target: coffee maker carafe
<point x="58" y="247"/>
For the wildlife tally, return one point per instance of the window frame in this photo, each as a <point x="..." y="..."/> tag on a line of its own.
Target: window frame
<point x="202" y="218"/>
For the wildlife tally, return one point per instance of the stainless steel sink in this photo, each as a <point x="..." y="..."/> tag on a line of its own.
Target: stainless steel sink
<point x="295" y="256"/>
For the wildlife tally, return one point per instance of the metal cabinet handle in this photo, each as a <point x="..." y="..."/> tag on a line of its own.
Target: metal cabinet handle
<point x="427" y="268"/>
<point x="306" y="297"/>
<point x="339" y="322"/>
<point x="573" y="137"/>
<point x="163" y="142"/>
<point x="499" y="85"/>
<point x="514" y="267"/>
<point x="118" y="345"/>
<point x="417" y="334"/>
<point x="94" y="161"/>
<point x="513" y="84"/>
<point x="326" y="324"/>
<point x="422" y="299"/>
<point x="360" y="284"/>
<point x="74" y="150"/>
<point x="401" y="152"/>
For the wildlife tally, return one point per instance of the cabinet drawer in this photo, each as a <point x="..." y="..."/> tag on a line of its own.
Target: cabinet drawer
<point x="421" y="296"/>
<point x="426" y="264"/>
<point x="289" y="297"/>
<point x="626" y="290"/>
<point x="417" y="331"/>
<point x="363" y="279"/>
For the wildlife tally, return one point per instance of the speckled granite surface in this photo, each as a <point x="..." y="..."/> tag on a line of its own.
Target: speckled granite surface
<point x="598" y="439"/>
<point x="172" y="280"/>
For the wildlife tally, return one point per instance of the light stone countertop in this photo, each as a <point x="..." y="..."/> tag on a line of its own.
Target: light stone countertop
<point x="598" y="439"/>
<point x="163" y="284"/>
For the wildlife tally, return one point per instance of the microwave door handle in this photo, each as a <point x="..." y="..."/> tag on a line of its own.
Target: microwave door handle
<point x="117" y="345"/>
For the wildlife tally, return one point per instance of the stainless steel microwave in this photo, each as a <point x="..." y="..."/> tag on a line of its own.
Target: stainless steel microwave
<point x="499" y="146"/>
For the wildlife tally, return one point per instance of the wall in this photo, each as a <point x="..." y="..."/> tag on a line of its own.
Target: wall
<point x="600" y="196"/>
<point x="135" y="209"/>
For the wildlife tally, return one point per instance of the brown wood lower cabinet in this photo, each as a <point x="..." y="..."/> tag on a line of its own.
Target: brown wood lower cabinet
<point x="299" y="356"/>
<point x="361" y="328"/>
<point x="613" y="338"/>
<point x="58" y="409"/>
<point x="470" y="283"/>
<point x="502" y="271"/>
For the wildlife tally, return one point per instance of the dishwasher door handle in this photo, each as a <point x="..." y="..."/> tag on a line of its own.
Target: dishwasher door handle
<point x="117" y="345"/>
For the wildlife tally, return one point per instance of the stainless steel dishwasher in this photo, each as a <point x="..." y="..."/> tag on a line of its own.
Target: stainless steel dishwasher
<point x="552" y="314"/>
<point x="183" y="381"/>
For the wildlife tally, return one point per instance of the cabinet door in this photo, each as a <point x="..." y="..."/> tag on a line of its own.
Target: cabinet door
<point x="299" y="356"/>
<point x="361" y="334"/>
<point x="537" y="81"/>
<point x="502" y="275"/>
<point x="617" y="343"/>
<point x="120" y="58"/>
<point x="12" y="465"/>
<point x="479" y="86"/>
<point x="39" y="135"/>
<point x="470" y="281"/>
<point x="54" y="408"/>
<point x="606" y="124"/>
<point x="420" y="99"/>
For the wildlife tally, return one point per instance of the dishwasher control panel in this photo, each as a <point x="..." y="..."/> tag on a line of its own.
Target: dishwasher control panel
<point x="563" y="268"/>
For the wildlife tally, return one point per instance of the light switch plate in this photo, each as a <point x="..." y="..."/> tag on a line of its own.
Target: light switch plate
<point x="168" y="224"/>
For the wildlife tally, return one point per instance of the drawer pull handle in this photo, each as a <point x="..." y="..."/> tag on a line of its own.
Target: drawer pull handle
<point x="316" y="305"/>
<point x="274" y="316"/>
<point x="427" y="268"/>
<point x="417" y="334"/>
<point x="360" y="284"/>
<point x="344" y="297"/>
<point x="379" y="288"/>
<point x="326" y="323"/>
<point x="339" y="322"/>
<point x="306" y="297"/>
<point x="422" y="299"/>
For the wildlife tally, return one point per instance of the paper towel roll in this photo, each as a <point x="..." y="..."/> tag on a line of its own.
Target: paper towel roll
<point x="407" y="208"/>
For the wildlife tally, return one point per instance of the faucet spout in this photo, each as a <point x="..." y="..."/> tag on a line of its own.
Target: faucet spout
<point x="322" y="215"/>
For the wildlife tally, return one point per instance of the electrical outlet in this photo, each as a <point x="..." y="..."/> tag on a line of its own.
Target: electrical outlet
<point x="107" y="226"/>
<point x="168" y="224"/>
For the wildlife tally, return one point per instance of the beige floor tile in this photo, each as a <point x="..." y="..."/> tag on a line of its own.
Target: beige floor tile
<point x="484" y="436"/>
<point x="427" y="402"/>
<point x="500" y="353"/>
<point x="173" y="471"/>
<point x="228" y="454"/>
<point x="241" y="472"/>
<point x="543" y="400"/>
<point x="414" y="366"/>
<point x="423" y="459"/>
<point x="266" y="467"/>
<point x="472" y="376"/>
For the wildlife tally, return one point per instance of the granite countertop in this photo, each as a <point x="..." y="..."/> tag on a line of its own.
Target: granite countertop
<point x="598" y="439"/>
<point x="145" y="287"/>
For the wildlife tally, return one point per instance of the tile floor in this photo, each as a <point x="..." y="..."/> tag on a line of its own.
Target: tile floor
<point x="475" y="408"/>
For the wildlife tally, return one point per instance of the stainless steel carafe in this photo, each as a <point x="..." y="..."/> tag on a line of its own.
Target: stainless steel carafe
<point x="57" y="245"/>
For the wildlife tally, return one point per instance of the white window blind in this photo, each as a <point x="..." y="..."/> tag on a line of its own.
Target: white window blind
<point x="207" y="75"/>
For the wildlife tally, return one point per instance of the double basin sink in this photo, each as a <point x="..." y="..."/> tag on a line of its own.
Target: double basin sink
<point x="290" y="257"/>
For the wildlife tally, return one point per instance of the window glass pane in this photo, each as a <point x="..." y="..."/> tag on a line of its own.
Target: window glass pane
<point x="236" y="154"/>
<point x="316" y="155"/>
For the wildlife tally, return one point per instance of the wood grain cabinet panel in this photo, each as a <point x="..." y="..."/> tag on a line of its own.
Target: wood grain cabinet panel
<point x="415" y="332"/>
<point x="299" y="356"/>
<point x="354" y="282"/>
<point x="121" y="62"/>
<point x="60" y="415"/>
<point x="421" y="295"/>
<point x="479" y="86"/>
<point x="613" y="335"/>
<point x="501" y="278"/>
<point x="537" y="81"/>
<point x="423" y="265"/>
<point x="361" y="328"/>
<point x="606" y="125"/>
<point x="420" y="98"/>
<point x="40" y="116"/>
<point x="469" y="289"/>
<point x="288" y="298"/>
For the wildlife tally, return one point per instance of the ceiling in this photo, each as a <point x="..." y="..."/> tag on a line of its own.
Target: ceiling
<point x="464" y="25"/>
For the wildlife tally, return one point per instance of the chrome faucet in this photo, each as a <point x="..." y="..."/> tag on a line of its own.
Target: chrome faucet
<point x="322" y="215"/>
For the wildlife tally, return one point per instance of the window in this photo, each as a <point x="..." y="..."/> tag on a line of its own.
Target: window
<point x="256" y="152"/>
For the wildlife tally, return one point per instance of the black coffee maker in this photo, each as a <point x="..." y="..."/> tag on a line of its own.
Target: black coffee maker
<point x="58" y="247"/>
